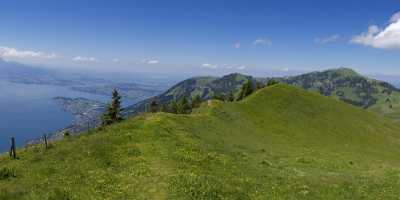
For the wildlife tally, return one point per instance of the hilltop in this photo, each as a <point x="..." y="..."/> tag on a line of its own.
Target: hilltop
<point x="279" y="143"/>
<point x="349" y="86"/>
<point x="343" y="83"/>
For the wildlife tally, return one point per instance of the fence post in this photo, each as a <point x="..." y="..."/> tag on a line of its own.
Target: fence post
<point x="45" y="140"/>
<point x="12" y="150"/>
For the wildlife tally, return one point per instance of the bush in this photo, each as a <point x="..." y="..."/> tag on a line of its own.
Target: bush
<point x="272" y="82"/>
<point x="67" y="134"/>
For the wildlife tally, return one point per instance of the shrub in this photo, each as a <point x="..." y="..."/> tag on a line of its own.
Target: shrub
<point x="272" y="82"/>
<point x="67" y="134"/>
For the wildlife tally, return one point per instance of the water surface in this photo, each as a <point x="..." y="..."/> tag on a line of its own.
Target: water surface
<point x="28" y="111"/>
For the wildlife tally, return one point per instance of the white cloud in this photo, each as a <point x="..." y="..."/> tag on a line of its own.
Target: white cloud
<point x="237" y="45"/>
<point x="116" y="60"/>
<point x="386" y="38"/>
<point x="153" y="62"/>
<point x="12" y="53"/>
<point x="262" y="41"/>
<point x="326" y="40"/>
<point x="228" y="66"/>
<point x="150" y="61"/>
<point x="225" y="66"/>
<point x="85" y="59"/>
<point x="285" y="69"/>
<point x="241" y="67"/>
<point x="395" y="17"/>
<point x="209" y="66"/>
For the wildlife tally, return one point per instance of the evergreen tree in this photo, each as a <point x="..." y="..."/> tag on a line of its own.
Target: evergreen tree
<point x="164" y="108"/>
<point x="196" y="101"/>
<point x="246" y="90"/>
<point x="113" y="110"/>
<point x="220" y="97"/>
<point x="174" y="107"/>
<point x="183" y="106"/>
<point x="153" y="106"/>
<point x="230" y="97"/>
<point x="66" y="133"/>
<point x="259" y="85"/>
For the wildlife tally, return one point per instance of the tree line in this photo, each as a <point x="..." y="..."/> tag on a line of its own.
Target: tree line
<point x="113" y="111"/>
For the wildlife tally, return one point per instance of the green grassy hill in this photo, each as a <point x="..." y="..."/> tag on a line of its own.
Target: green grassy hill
<point x="349" y="86"/>
<point x="342" y="83"/>
<point x="279" y="143"/>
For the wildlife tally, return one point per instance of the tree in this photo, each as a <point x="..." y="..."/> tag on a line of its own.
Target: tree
<point x="113" y="110"/>
<point x="165" y="108"/>
<point x="230" y="97"/>
<point x="184" y="106"/>
<point x="196" y="101"/>
<point x="67" y="133"/>
<point x="246" y="90"/>
<point x="272" y="82"/>
<point x="153" y="106"/>
<point x="220" y="97"/>
<point x="259" y="85"/>
<point x="174" y="107"/>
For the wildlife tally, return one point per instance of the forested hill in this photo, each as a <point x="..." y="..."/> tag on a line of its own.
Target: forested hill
<point x="205" y="87"/>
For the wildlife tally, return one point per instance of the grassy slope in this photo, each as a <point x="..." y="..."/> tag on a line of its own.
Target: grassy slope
<point x="280" y="143"/>
<point x="351" y="87"/>
<point x="382" y="107"/>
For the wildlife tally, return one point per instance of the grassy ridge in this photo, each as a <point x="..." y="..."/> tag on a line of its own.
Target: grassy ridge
<point x="342" y="83"/>
<point x="279" y="143"/>
<point x="349" y="86"/>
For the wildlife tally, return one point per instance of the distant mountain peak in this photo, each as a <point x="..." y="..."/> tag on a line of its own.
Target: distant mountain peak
<point x="234" y="74"/>
<point x="346" y="71"/>
<point x="234" y="77"/>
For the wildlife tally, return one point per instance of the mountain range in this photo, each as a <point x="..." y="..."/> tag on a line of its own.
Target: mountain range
<point x="93" y="84"/>
<point x="343" y="84"/>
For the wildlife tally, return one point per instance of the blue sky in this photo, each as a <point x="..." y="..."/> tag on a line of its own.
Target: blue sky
<point x="203" y="37"/>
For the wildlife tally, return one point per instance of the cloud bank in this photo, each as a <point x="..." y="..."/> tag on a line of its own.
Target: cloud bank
<point x="225" y="66"/>
<point x="150" y="61"/>
<point x="13" y="53"/>
<point x="262" y="41"/>
<point x="381" y="38"/>
<point x="326" y="40"/>
<point x="85" y="59"/>
<point x="209" y="66"/>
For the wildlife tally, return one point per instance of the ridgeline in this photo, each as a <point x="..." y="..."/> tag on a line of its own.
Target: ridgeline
<point x="281" y="142"/>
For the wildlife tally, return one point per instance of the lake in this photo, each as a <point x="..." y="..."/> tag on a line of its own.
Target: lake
<point x="28" y="111"/>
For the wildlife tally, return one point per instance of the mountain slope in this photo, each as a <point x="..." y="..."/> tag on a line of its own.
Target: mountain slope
<point x="21" y="73"/>
<point x="279" y="143"/>
<point x="351" y="87"/>
<point x="343" y="84"/>
<point x="205" y="87"/>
